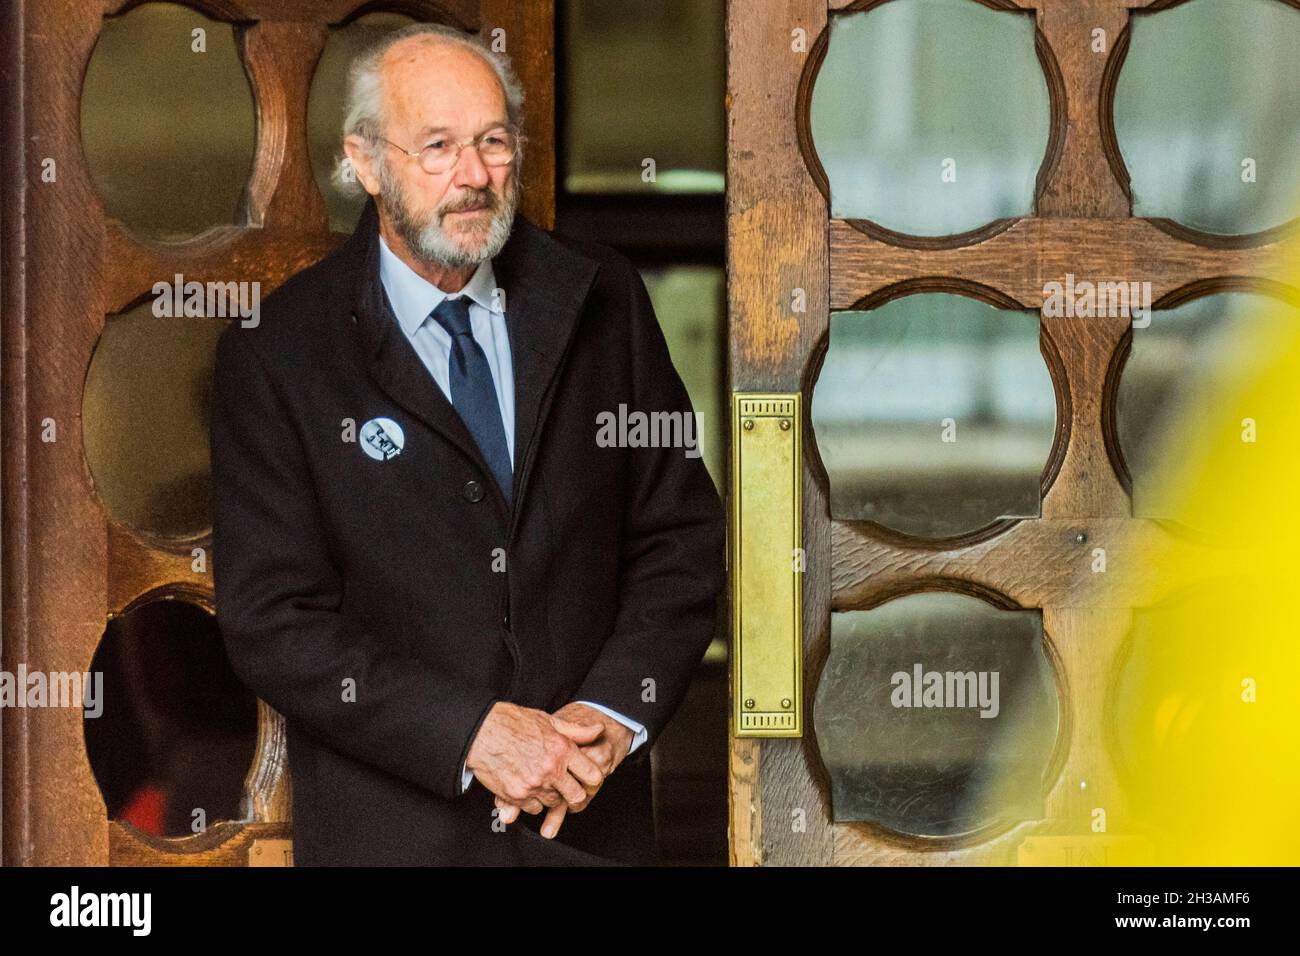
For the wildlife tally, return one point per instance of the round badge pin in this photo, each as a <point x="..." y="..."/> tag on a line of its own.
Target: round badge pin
<point x="382" y="438"/>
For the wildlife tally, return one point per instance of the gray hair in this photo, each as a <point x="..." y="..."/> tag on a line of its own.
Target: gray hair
<point x="364" y="103"/>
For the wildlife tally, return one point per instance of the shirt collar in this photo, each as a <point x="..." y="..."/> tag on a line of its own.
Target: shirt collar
<point x="414" y="297"/>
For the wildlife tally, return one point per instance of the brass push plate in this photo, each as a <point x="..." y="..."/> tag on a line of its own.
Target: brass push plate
<point x="767" y="565"/>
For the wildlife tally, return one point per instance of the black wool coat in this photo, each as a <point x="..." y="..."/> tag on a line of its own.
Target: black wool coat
<point x="383" y="601"/>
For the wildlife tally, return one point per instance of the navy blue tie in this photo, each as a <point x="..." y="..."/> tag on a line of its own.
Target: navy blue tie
<point x="472" y="393"/>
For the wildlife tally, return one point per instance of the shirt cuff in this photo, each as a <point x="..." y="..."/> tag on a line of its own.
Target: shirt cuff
<point x="639" y="733"/>
<point x="466" y="777"/>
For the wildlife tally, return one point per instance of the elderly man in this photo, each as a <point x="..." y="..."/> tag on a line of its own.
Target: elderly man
<point x="474" y="615"/>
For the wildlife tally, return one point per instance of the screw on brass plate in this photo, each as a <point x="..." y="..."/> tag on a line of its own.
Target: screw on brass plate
<point x="785" y="424"/>
<point x="749" y="703"/>
<point x="785" y="703"/>
<point x="749" y="424"/>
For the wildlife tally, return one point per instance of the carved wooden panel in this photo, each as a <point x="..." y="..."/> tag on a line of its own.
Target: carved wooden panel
<point x="781" y="239"/>
<point x="68" y="567"/>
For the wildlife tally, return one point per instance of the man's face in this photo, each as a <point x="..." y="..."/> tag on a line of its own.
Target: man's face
<point x="463" y="216"/>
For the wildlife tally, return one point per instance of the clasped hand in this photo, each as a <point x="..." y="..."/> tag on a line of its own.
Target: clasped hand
<point x="534" y="761"/>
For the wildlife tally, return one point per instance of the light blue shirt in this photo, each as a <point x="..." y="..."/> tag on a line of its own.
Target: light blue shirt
<point x="413" y="299"/>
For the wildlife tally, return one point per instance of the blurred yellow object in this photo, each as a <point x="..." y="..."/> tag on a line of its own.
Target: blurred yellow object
<point x="1205" y="716"/>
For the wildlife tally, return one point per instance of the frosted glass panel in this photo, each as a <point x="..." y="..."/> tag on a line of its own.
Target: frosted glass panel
<point x="936" y="715"/>
<point x="934" y="414"/>
<point x="325" y="107"/>
<point x="176" y="731"/>
<point x="1207" y="112"/>
<point x="167" y="122"/>
<point x="1170" y="412"/>
<point x="1182" y="725"/>
<point x="145" y="421"/>
<point x="931" y="117"/>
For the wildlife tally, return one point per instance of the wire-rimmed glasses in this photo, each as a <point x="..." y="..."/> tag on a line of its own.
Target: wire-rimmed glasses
<point x="496" y="147"/>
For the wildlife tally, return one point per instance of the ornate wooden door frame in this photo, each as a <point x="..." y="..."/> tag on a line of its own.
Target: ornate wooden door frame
<point x="67" y="567"/>
<point x="780" y="238"/>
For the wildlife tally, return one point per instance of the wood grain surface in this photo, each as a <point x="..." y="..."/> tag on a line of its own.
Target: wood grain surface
<point x="781" y="238"/>
<point x="67" y="567"/>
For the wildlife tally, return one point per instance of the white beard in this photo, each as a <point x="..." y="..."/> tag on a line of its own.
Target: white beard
<point x="427" y="239"/>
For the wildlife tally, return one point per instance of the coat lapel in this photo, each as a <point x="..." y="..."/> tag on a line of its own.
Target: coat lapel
<point x="544" y="285"/>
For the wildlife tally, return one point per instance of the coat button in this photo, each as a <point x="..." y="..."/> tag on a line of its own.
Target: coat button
<point x="473" y="491"/>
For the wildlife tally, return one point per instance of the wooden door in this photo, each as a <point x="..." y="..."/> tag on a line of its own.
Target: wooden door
<point x="793" y="269"/>
<point x="71" y="563"/>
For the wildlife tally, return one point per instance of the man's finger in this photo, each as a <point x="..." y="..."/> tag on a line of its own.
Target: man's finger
<point x="550" y="796"/>
<point x="578" y="733"/>
<point x="554" y="817"/>
<point x="602" y="754"/>
<point x="586" y="769"/>
<point x="528" y="806"/>
<point x="573" y="792"/>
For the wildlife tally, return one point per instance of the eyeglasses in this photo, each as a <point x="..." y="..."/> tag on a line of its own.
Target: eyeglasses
<point x="497" y="147"/>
